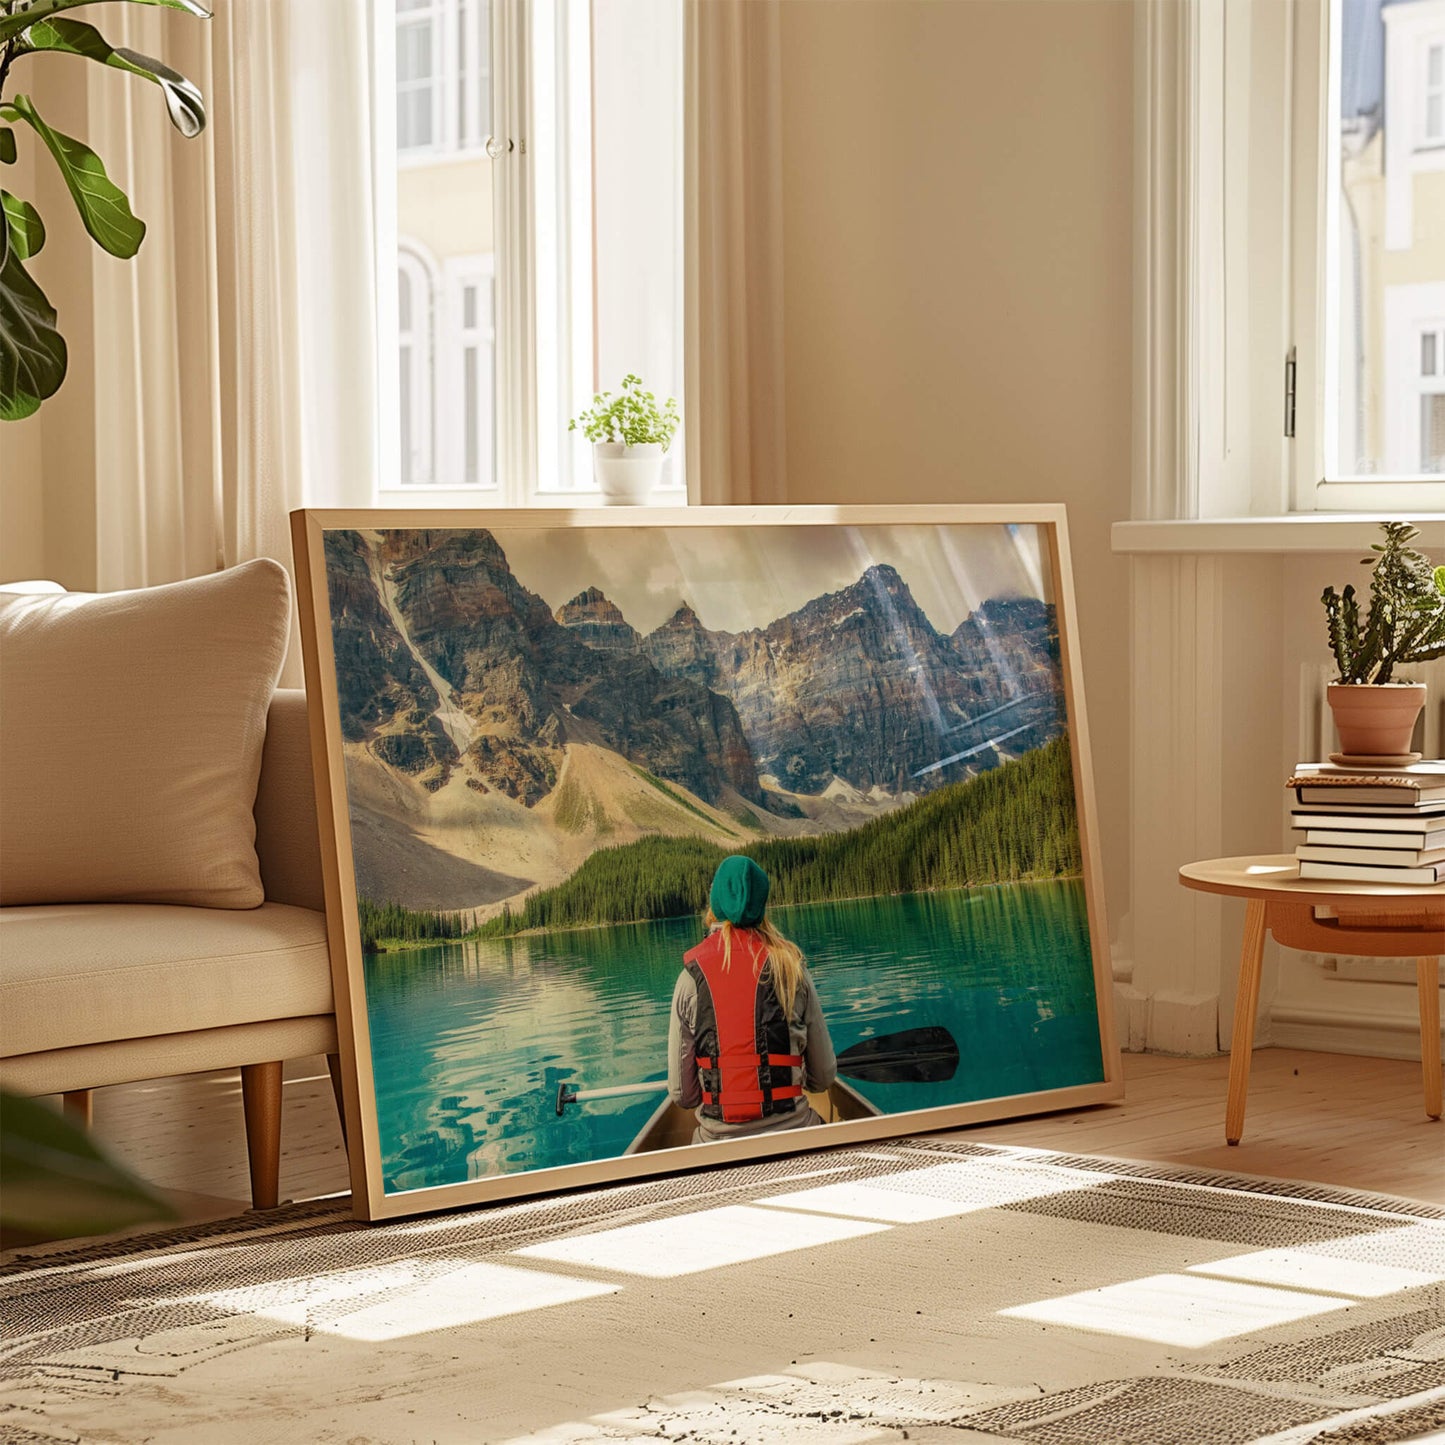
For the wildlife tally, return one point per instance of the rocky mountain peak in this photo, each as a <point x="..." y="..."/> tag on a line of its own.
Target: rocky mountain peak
<point x="597" y="621"/>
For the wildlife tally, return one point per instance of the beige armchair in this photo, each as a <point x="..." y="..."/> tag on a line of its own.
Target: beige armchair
<point x="107" y="993"/>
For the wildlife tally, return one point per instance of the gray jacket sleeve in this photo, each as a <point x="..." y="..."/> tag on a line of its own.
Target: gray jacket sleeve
<point x="820" y="1066"/>
<point x="682" y="1080"/>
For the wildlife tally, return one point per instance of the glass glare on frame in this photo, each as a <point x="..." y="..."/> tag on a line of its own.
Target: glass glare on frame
<point x="1386" y="295"/>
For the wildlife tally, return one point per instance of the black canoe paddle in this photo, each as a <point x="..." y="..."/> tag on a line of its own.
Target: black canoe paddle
<point x="927" y="1055"/>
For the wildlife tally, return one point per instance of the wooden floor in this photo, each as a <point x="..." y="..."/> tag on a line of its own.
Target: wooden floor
<point x="1329" y="1118"/>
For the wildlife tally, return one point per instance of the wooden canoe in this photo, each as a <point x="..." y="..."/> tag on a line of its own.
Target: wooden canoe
<point x="671" y="1125"/>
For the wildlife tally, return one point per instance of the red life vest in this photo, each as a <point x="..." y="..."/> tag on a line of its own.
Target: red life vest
<point x="742" y="1042"/>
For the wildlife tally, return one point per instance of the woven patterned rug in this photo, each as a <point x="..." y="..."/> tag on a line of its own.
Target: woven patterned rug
<point x="922" y="1289"/>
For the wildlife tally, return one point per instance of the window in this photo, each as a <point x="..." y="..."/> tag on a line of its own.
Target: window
<point x="418" y="74"/>
<point x="1433" y="96"/>
<point x="1385" y="269"/>
<point x="531" y="268"/>
<point x="443" y="76"/>
<point x="414" y="366"/>
<point x="468" y="385"/>
<point x="1430" y="400"/>
<point x="1291" y="209"/>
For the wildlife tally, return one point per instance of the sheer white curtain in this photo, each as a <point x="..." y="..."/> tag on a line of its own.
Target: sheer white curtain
<point x="235" y="375"/>
<point x="734" y="249"/>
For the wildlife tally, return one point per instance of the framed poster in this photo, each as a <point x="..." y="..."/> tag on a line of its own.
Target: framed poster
<point x="655" y="838"/>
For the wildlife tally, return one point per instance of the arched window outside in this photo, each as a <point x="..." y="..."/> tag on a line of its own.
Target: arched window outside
<point x="415" y="303"/>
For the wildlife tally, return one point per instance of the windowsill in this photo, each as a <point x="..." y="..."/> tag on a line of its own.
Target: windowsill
<point x="1301" y="533"/>
<point x="479" y="499"/>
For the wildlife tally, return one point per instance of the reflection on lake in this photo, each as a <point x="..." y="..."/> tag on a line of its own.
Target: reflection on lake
<point x="470" y="1040"/>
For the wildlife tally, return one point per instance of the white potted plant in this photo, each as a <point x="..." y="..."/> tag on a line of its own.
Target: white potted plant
<point x="1404" y="623"/>
<point x="630" y="434"/>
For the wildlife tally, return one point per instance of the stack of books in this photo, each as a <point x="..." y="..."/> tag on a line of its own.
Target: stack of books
<point x="1370" y="825"/>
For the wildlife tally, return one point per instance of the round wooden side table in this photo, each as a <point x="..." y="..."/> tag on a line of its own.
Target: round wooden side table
<point x="1369" y="920"/>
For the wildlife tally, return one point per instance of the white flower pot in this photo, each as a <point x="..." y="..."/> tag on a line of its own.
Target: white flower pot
<point x="627" y="474"/>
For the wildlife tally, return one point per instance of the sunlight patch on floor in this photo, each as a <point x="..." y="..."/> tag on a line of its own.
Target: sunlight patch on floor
<point x="820" y="1403"/>
<point x="1178" y="1309"/>
<point x="1302" y="1269"/>
<point x="937" y="1192"/>
<point x="414" y="1300"/>
<point x="690" y="1243"/>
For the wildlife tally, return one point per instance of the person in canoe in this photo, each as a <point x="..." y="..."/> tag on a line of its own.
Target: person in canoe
<point x="746" y="1036"/>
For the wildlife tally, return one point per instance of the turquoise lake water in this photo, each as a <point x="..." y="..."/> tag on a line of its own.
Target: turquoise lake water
<point x="470" y="1040"/>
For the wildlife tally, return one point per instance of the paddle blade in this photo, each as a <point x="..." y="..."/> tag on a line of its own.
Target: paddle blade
<point x="926" y="1055"/>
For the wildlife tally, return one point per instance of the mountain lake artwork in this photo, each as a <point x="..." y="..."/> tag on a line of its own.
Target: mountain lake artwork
<point x="550" y="735"/>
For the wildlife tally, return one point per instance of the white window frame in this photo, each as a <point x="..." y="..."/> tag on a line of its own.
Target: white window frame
<point x="1231" y="214"/>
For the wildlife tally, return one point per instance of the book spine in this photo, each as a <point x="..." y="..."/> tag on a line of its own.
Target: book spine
<point x="1366" y="857"/>
<point x="1370" y="842"/>
<point x="1357" y="873"/>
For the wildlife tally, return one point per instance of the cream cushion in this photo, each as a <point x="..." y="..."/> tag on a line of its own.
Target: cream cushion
<point x="91" y="973"/>
<point x="131" y="725"/>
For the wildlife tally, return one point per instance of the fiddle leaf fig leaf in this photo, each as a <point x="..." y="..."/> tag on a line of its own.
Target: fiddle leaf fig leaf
<point x="23" y="227"/>
<point x="102" y="204"/>
<point x="22" y="20"/>
<point x="75" y="37"/>
<point x="32" y="351"/>
<point x="7" y="146"/>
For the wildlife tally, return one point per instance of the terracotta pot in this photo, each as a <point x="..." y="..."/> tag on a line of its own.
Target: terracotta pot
<point x="1376" y="719"/>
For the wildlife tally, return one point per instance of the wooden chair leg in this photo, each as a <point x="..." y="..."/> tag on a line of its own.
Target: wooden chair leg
<point x="77" y="1104"/>
<point x="261" y="1097"/>
<point x="333" y="1064"/>
<point x="1427" y="973"/>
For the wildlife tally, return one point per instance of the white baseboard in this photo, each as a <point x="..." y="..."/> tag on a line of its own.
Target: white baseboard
<point x="1337" y="1031"/>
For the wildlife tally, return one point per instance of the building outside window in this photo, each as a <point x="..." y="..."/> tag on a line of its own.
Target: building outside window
<point x="1388" y="190"/>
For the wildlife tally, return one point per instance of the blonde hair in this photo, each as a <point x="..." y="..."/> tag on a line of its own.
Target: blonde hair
<point x="784" y="955"/>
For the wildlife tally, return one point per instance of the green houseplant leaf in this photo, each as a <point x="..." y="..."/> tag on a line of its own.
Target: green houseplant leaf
<point x="58" y="1184"/>
<point x="75" y="37"/>
<point x="12" y="25"/>
<point x="23" y="226"/>
<point x="32" y="350"/>
<point x="102" y="204"/>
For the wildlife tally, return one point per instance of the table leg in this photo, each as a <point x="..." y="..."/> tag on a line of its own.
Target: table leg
<point x="1427" y="972"/>
<point x="1246" y="1004"/>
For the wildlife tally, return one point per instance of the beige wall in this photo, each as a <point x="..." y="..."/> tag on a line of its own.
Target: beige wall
<point x="957" y="278"/>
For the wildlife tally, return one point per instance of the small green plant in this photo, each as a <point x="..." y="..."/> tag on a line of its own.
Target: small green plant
<point x="632" y="417"/>
<point x="32" y="351"/>
<point x="1405" y="619"/>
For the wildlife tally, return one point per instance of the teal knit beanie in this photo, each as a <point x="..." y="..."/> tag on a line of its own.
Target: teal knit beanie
<point x="739" y="892"/>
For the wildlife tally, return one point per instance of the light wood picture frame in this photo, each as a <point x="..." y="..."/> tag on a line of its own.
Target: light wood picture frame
<point x="536" y="732"/>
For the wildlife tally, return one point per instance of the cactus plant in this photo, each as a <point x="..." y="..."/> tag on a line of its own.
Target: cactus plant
<point x="1405" y="619"/>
